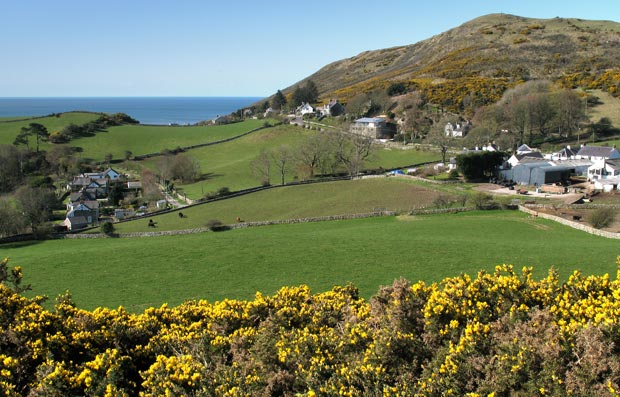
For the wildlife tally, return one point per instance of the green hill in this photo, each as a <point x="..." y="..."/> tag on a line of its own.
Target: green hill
<point x="329" y="198"/>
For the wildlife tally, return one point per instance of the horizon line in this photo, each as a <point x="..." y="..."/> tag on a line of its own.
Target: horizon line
<point x="135" y="96"/>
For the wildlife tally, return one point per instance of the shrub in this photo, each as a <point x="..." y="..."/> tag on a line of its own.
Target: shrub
<point x="215" y="225"/>
<point x="481" y="200"/>
<point x="107" y="228"/>
<point x="602" y="217"/>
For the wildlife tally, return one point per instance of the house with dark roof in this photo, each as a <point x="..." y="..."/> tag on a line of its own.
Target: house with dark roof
<point x="567" y="153"/>
<point x="517" y="158"/>
<point x="82" y="214"/>
<point x="598" y="153"/>
<point x="332" y="108"/>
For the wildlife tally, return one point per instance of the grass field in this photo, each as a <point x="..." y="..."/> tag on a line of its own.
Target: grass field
<point x="8" y="131"/>
<point x="610" y="107"/>
<point x="330" y="198"/>
<point x="144" y="139"/>
<point x="229" y="164"/>
<point x="143" y="272"/>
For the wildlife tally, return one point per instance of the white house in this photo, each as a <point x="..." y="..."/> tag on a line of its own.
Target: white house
<point x="304" y="108"/>
<point x="455" y="131"/>
<point x="332" y="108"/>
<point x="523" y="149"/>
<point x="598" y="153"/>
<point x="566" y="153"/>
<point x="517" y="158"/>
<point x="604" y="169"/>
<point x="607" y="185"/>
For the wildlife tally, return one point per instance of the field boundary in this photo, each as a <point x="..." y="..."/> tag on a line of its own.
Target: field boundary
<point x="199" y="145"/>
<point x="241" y="225"/>
<point x="566" y="222"/>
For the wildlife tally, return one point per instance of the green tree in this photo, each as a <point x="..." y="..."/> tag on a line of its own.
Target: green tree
<point x="306" y="94"/>
<point x="479" y="165"/>
<point x="35" y="204"/>
<point x="279" y="101"/>
<point x="37" y="130"/>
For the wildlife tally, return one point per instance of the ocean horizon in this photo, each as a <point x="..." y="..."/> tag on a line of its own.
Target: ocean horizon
<point x="147" y="110"/>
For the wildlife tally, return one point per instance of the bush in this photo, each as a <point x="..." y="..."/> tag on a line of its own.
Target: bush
<point x="602" y="217"/>
<point x="107" y="228"/>
<point x="481" y="200"/>
<point x="215" y="225"/>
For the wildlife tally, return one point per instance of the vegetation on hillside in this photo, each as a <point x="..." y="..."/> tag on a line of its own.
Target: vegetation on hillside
<point x="473" y="64"/>
<point x="497" y="333"/>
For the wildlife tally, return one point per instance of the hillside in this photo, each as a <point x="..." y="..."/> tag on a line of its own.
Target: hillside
<point x="482" y="58"/>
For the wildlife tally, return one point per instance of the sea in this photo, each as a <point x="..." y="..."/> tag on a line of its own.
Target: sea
<point x="147" y="110"/>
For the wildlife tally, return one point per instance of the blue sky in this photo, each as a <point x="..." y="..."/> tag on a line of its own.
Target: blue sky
<point x="220" y="48"/>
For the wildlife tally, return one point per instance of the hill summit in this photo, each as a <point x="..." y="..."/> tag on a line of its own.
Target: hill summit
<point x="473" y="64"/>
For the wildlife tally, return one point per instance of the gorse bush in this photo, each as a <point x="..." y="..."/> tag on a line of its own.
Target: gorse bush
<point x="602" y="217"/>
<point x="499" y="333"/>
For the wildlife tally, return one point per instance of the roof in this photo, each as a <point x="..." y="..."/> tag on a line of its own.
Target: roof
<point x="533" y="155"/>
<point x="573" y="163"/>
<point x="568" y="151"/>
<point x="536" y="164"/>
<point x="78" y="220"/>
<point x="524" y="148"/>
<point x="370" y="120"/>
<point x="596" y="151"/>
<point x="614" y="164"/>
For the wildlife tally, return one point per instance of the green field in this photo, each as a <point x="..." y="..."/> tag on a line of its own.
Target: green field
<point x="144" y="139"/>
<point x="143" y="272"/>
<point x="8" y="131"/>
<point x="229" y="164"/>
<point x="321" y="199"/>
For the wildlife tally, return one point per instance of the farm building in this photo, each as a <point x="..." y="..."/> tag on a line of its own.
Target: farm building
<point x="373" y="127"/>
<point x="538" y="174"/>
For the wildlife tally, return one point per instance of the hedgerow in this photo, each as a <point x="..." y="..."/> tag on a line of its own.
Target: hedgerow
<point x="499" y="333"/>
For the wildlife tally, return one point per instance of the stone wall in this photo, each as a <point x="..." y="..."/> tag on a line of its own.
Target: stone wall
<point x="573" y="224"/>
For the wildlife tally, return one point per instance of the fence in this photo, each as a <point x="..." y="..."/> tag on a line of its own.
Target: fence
<point x="573" y="224"/>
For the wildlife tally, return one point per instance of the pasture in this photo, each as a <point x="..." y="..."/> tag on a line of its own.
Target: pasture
<point x="144" y="272"/>
<point x="9" y="130"/>
<point x="229" y="164"/>
<point x="144" y="139"/>
<point x="302" y="201"/>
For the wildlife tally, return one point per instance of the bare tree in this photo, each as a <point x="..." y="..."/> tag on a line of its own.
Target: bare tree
<point x="185" y="168"/>
<point x="313" y="153"/>
<point x="352" y="150"/>
<point x="438" y="137"/>
<point x="282" y="157"/>
<point x="570" y="112"/>
<point x="261" y="167"/>
<point x="150" y="189"/>
<point x="358" y="105"/>
<point x="164" y="167"/>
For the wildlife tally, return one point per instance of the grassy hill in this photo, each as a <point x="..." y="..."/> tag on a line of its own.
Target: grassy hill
<point x="144" y="272"/>
<point x="9" y="129"/>
<point x="144" y="139"/>
<point x="483" y="57"/>
<point x="329" y="198"/>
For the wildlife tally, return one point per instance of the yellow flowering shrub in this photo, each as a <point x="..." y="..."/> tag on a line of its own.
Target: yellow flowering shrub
<point x="497" y="333"/>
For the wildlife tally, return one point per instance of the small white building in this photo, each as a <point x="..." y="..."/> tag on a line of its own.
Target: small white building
<point x="304" y="108"/>
<point x="604" y="169"/>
